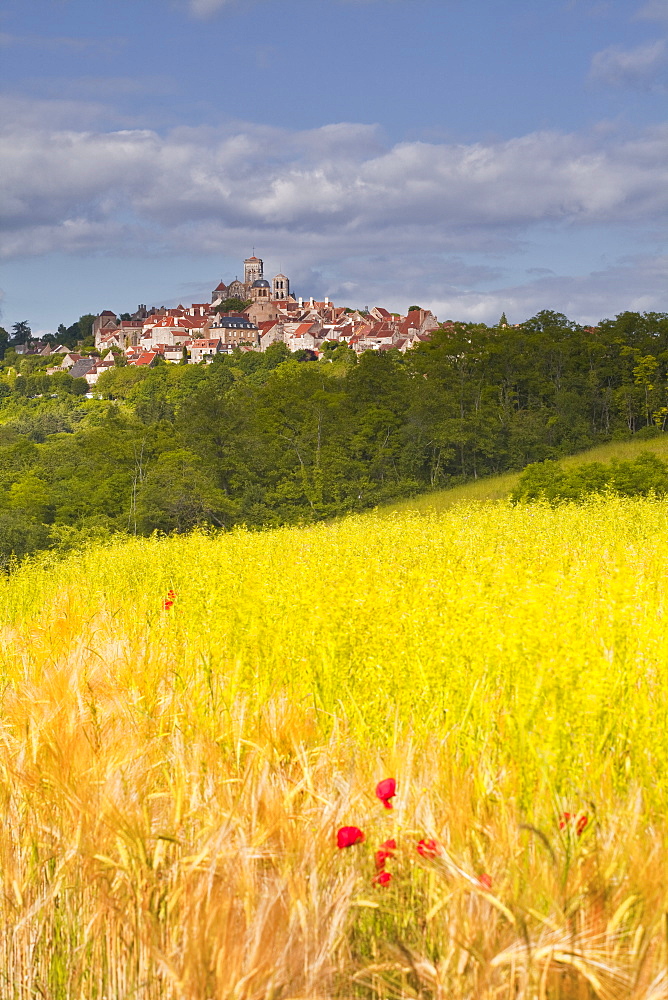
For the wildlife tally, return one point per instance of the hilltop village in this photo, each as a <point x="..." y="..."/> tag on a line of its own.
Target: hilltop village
<point x="270" y="314"/>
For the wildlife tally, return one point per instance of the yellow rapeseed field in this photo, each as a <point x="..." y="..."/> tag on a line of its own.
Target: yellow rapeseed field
<point x="174" y="770"/>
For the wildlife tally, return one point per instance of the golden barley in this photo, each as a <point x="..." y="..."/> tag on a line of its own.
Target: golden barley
<point x="173" y="771"/>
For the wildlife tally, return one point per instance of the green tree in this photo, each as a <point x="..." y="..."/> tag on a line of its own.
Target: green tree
<point x="85" y="324"/>
<point x="178" y="494"/>
<point x="232" y="305"/>
<point x="21" y="332"/>
<point x="276" y="354"/>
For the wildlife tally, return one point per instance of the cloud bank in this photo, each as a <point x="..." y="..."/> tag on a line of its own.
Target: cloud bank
<point x="68" y="188"/>
<point x="334" y="201"/>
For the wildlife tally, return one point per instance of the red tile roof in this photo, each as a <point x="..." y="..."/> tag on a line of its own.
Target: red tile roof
<point x="144" y="359"/>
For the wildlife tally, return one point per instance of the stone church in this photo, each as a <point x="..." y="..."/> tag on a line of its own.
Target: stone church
<point x="254" y="287"/>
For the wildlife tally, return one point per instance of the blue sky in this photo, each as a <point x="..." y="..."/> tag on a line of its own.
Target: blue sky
<point x="472" y="156"/>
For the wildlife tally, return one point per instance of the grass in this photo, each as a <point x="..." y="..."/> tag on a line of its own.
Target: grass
<point x="172" y="780"/>
<point x="500" y="487"/>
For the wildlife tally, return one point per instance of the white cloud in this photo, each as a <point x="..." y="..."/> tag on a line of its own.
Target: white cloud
<point x="354" y="217"/>
<point x="330" y="185"/>
<point x="641" y="66"/>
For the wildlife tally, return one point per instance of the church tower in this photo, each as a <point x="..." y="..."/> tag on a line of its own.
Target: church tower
<point x="281" y="287"/>
<point x="253" y="270"/>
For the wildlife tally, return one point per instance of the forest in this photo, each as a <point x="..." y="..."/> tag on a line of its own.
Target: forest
<point x="272" y="438"/>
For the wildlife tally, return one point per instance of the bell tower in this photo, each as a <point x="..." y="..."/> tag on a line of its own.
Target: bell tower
<point x="281" y="287"/>
<point x="253" y="269"/>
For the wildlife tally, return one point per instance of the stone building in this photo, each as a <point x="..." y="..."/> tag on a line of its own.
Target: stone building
<point x="254" y="287"/>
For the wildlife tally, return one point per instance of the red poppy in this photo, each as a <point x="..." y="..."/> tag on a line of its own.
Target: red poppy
<point x="346" y="836"/>
<point x="566" y="818"/>
<point x="485" y="880"/>
<point x="428" y="849"/>
<point x="580" y="826"/>
<point x="383" y="878"/>
<point x="386" y="790"/>
<point x="385" y="852"/>
<point x="169" y="600"/>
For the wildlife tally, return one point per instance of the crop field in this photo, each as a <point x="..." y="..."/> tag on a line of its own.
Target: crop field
<point x="198" y="737"/>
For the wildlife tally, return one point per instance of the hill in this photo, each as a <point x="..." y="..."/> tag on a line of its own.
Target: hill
<point x="193" y="728"/>
<point x="264" y="439"/>
<point x="500" y="487"/>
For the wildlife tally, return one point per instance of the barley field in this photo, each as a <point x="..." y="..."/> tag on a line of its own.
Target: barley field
<point x="198" y="736"/>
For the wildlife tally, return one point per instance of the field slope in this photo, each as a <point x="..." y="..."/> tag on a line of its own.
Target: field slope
<point x="499" y="487"/>
<point x="173" y="777"/>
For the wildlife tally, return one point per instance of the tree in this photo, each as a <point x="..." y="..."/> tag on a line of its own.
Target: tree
<point x="232" y="305"/>
<point x="276" y="354"/>
<point x="503" y="322"/>
<point x="328" y="346"/>
<point x="178" y="494"/>
<point x="86" y="326"/>
<point x="21" y="332"/>
<point x="413" y="309"/>
<point x="4" y="340"/>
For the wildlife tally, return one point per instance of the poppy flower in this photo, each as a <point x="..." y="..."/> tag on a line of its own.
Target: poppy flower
<point x="385" y="852"/>
<point x="169" y="600"/>
<point x="428" y="849"/>
<point x="386" y="790"/>
<point x="383" y="878"/>
<point x="580" y="826"/>
<point x="565" y="818"/>
<point x="485" y="880"/>
<point x="347" y="836"/>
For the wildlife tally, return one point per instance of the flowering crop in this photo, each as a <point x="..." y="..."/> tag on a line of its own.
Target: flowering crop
<point x="174" y="785"/>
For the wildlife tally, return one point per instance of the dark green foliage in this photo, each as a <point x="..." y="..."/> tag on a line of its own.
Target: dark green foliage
<point x="21" y="332"/>
<point x="548" y="481"/>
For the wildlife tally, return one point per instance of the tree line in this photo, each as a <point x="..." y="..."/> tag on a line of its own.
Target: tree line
<point x="275" y="438"/>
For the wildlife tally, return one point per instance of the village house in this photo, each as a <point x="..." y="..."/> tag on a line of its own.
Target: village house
<point x="235" y="329"/>
<point x="204" y="350"/>
<point x="274" y="315"/>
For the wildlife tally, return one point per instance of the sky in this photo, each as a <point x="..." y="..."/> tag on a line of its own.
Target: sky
<point x="469" y="156"/>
